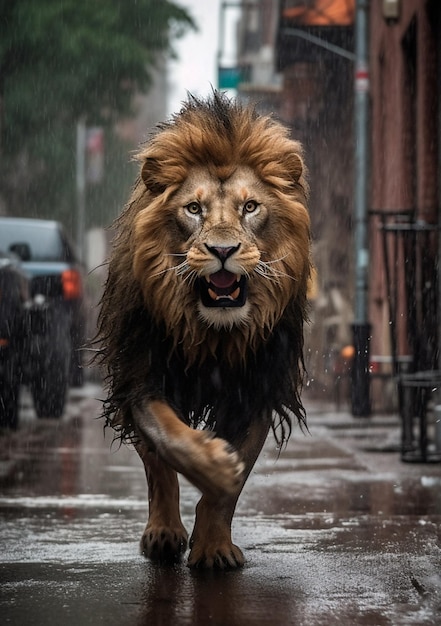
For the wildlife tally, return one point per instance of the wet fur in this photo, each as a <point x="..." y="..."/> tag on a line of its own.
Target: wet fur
<point x="168" y="372"/>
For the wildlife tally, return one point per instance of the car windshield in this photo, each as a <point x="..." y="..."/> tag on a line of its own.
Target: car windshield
<point x="45" y="244"/>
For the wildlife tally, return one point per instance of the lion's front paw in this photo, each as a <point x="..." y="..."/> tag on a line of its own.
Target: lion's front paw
<point x="161" y="543"/>
<point x="218" y="466"/>
<point x="224" y="555"/>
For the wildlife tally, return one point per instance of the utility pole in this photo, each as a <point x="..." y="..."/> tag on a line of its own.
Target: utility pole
<point x="361" y="327"/>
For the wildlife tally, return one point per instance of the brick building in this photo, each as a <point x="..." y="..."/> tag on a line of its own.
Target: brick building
<point x="405" y="175"/>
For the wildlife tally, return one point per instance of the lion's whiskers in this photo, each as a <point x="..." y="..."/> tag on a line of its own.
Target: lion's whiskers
<point x="191" y="276"/>
<point x="245" y="272"/>
<point x="182" y="269"/>
<point x="264" y="269"/>
<point x="275" y="260"/>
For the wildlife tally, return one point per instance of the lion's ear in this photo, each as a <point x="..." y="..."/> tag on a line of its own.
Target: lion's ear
<point x="294" y="164"/>
<point x="149" y="174"/>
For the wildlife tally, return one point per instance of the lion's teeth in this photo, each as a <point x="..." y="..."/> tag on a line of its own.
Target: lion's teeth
<point x="231" y="296"/>
<point x="238" y="277"/>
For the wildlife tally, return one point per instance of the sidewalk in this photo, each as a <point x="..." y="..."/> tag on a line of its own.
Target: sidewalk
<point x="374" y="440"/>
<point x="336" y="530"/>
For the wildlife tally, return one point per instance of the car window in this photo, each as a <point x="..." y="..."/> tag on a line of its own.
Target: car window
<point x="45" y="244"/>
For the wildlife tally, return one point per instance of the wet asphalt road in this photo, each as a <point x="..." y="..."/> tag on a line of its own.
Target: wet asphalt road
<point x="336" y="531"/>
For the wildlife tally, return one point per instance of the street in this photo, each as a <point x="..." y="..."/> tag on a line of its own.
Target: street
<point x="337" y="530"/>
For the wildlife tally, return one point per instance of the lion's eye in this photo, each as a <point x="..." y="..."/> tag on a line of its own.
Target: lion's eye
<point x="250" y="206"/>
<point x="193" y="208"/>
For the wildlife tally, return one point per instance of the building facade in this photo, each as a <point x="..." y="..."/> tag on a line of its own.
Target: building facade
<point x="405" y="175"/>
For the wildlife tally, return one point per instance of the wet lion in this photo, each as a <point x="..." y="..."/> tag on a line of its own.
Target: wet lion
<point x="201" y="321"/>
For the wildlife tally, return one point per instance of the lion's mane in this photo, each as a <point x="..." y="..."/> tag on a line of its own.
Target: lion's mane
<point x="152" y="341"/>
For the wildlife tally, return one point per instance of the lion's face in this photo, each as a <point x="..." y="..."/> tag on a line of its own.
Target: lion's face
<point x="222" y="250"/>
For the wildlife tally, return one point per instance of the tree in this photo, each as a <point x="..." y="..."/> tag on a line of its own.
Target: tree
<point x="62" y="60"/>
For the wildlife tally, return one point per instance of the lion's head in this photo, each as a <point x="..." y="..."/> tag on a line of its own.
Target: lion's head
<point x="221" y="233"/>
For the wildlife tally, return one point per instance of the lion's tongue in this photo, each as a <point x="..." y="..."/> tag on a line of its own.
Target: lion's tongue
<point x="223" y="279"/>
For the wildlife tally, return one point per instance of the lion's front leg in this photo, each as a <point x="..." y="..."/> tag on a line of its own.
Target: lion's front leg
<point x="209" y="462"/>
<point x="164" y="538"/>
<point x="211" y="543"/>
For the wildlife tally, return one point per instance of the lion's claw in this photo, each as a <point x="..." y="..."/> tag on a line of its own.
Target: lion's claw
<point x="227" y="556"/>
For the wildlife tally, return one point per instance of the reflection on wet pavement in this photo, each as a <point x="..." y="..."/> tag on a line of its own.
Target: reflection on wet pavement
<point x="335" y="530"/>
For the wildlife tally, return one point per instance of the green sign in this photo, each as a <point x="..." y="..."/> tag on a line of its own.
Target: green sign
<point x="228" y="77"/>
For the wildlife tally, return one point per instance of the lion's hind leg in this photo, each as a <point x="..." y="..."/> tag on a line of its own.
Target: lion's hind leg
<point x="164" y="538"/>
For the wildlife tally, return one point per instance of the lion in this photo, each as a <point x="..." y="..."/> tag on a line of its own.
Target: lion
<point x="201" y="319"/>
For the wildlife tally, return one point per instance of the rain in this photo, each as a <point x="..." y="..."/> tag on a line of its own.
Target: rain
<point x="339" y="523"/>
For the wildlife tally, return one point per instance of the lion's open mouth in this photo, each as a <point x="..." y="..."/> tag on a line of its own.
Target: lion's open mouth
<point x="223" y="289"/>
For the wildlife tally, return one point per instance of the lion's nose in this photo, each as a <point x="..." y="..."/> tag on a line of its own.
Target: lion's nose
<point x="222" y="252"/>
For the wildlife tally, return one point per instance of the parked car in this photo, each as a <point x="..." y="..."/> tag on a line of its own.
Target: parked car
<point x="56" y="318"/>
<point x="14" y="299"/>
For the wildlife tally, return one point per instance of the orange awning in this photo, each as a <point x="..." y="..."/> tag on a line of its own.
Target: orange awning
<point x="322" y="13"/>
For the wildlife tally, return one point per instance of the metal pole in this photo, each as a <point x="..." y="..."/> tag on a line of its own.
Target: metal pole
<point x="437" y="409"/>
<point x="361" y="327"/>
<point x="81" y="186"/>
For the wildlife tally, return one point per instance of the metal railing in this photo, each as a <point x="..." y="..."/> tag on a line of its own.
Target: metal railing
<point x="410" y="259"/>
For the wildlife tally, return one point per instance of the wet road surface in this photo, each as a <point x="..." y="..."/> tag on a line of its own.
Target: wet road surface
<point x="336" y="531"/>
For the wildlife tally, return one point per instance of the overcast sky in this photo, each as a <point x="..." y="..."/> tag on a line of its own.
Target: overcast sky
<point x="196" y="68"/>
